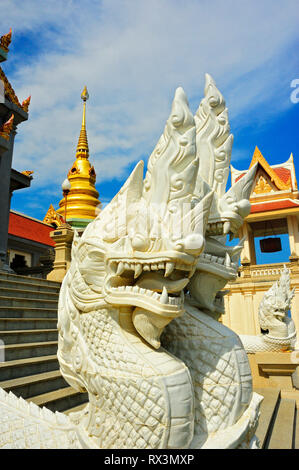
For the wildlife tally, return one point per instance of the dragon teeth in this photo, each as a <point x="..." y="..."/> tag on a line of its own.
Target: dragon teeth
<point x="120" y="269"/>
<point x="138" y="270"/>
<point x="168" y="269"/>
<point x="227" y="260"/>
<point x="164" y="296"/>
<point x="226" y="228"/>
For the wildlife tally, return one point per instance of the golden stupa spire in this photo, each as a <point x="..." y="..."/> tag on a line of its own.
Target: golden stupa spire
<point x="82" y="147"/>
<point x="82" y="201"/>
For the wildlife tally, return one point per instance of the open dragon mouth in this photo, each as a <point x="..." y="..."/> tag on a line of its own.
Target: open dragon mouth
<point x="156" y="285"/>
<point x="224" y="266"/>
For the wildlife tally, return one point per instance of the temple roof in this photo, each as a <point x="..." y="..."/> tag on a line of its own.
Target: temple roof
<point x="6" y="128"/>
<point x="4" y="43"/>
<point x="275" y="176"/>
<point x="9" y="92"/>
<point x="274" y="205"/>
<point x="274" y="189"/>
<point x="23" y="226"/>
<point x="53" y="218"/>
<point x="269" y="178"/>
<point x="11" y="95"/>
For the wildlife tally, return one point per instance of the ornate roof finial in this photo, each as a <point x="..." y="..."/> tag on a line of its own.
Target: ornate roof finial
<point x="26" y="103"/>
<point x="82" y="147"/>
<point x="6" y="128"/>
<point x="5" y="41"/>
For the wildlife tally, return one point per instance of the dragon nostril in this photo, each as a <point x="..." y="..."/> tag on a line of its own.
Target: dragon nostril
<point x="194" y="243"/>
<point x="244" y="207"/>
<point x="179" y="245"/>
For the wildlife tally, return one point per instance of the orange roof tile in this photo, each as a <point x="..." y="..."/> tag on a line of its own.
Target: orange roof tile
<point x="24" y="227"/>
<point x="284" y="174"/>
<point x="273" y="205"/>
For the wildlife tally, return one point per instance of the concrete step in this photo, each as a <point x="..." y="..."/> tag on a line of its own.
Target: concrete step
<point x="28" y="327"/>
<point x="292" y="394"/>
<point x="27" y="312"/>
<point x="28" y="336"/>
<point x="9" y="324"/>
<point x="21" y="302"/>
<point x="37" y="286"/>
<point x="33" y="385"/>
<point x="27" y="293"/>
<point x="60" y="400"/>
<point x="29" y="366"/>
<point x="267" y="410"/>
<point x="28" y="280"/>
<point x="281" y="436"/>
<point x="29" y="350"/>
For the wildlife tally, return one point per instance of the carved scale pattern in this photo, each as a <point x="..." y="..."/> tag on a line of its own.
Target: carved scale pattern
<point x="220" y="374"/>
<point x="26" y="426"/>
<point x="128" y="385"/>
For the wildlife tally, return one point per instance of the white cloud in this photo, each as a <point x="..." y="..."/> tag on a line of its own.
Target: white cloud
<point x="132" y="54"/>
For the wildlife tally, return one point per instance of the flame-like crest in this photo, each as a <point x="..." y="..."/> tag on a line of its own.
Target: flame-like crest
<point x="214" y="146"/>
<point x="213" y="139"/>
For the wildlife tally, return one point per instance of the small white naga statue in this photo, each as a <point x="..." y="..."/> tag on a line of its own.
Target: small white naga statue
<point x="138" y="307"/>
<point x="279" y="332"/>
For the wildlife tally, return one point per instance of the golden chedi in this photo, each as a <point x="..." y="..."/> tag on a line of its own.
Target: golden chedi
<point x="82" y="204"/>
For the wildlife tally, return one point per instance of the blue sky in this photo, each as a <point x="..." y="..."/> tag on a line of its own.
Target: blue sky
<point x="132" y="54"/>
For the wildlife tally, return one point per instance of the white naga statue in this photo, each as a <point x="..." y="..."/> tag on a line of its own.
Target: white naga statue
<point x="138" y="307"/>
<point x="279" y="331"/>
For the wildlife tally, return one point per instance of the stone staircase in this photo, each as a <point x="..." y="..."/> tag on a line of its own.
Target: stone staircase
<point x="28" y="329"/>
<point x="278" y="426"/>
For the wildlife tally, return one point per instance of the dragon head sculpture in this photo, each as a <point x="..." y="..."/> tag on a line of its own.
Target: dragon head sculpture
<point x="274" y="307"/>
<point x="143" y="247"/>
<point x="156" y="239"/>
<point x="218" y="263"/>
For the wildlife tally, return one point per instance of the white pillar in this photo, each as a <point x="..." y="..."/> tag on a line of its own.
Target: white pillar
<point x="248" y="252"/>
<point x="293" y="235"/>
